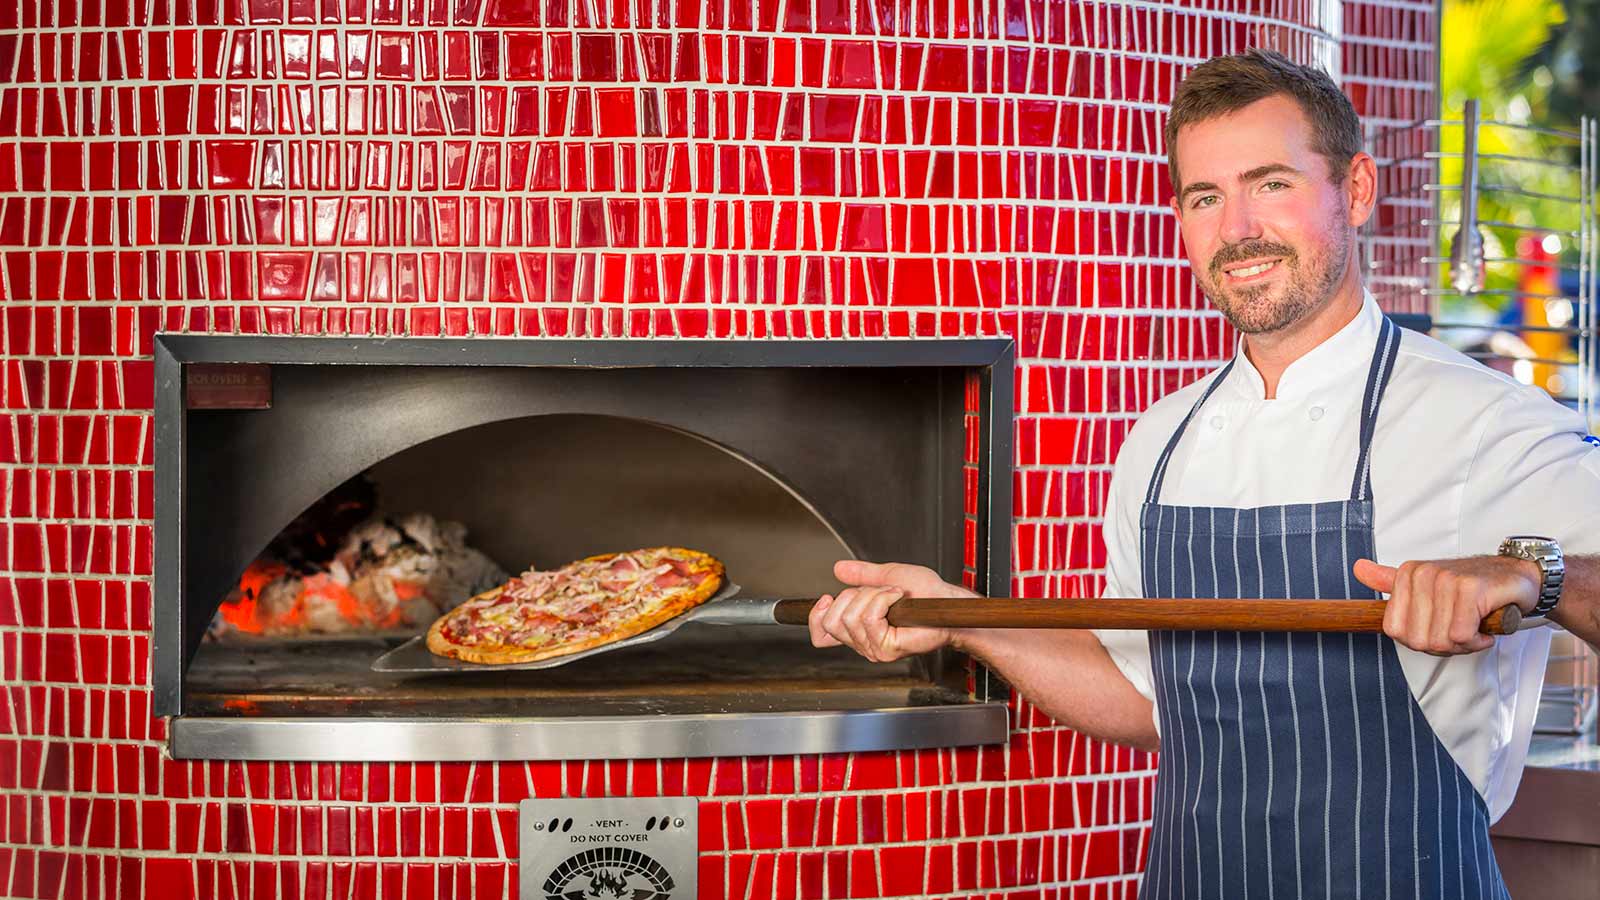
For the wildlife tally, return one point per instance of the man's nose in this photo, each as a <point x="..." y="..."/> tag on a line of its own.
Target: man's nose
<point x="1239" y="222"/>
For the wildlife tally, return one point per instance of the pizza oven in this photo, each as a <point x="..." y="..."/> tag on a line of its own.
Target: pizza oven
<point x="288" y="467"/>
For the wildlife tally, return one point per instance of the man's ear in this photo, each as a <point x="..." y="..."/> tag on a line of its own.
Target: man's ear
<point x="1176" y="180"/>
<point x="1362" y="183"/>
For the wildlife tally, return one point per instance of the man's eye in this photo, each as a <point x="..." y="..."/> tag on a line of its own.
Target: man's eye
<point x="1208" y="200"/>
<point x="1276" y="185"/>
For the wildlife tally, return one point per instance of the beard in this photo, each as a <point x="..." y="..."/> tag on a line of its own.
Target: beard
<point x="1265" y="308"/>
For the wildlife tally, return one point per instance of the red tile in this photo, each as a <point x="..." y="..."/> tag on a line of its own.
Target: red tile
<point x="169" y="877"/>
<point x="711" y="825"/>
<point x="801" y="817"/>
<point x="455" y="831"/>
<point x="764" y="824"/>
<point x="230" y="217"/>
<point x="452" y="782"/>
<point x="710" y="877"/>
<point x="872" y="817"/>
<point x="489" y="881"/>
<point x="365" y="881"/>
<point x="482" y="838"/>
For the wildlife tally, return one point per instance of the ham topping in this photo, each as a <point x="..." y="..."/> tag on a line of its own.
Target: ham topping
<point x="581" y="600"/>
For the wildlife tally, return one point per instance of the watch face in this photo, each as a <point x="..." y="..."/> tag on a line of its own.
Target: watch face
<point x="1530" y="546"/>
<point x="1547" y="554"/>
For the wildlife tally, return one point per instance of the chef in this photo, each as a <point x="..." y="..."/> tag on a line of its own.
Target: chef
<point x="1335" y="456"/>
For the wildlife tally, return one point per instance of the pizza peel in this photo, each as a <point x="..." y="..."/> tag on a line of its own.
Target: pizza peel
<point x="414" y="655"/>
<point x="1148" y="614"/>
<point x="1143" y="614"/>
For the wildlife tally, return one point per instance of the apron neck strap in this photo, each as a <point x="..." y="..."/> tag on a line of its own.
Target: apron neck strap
<point x="1378" y="375"/>
<point x="1153" y="493"/>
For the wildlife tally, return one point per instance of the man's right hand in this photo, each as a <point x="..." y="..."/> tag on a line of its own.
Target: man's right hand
<point x="857" y="617"/>
<point x="1068" y="674"/>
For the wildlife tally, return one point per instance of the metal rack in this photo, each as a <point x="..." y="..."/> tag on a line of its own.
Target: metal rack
<point x="1436" y="238"/>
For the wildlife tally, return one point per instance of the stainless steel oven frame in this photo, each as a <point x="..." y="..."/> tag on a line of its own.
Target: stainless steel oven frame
<point x="195" y="492"/>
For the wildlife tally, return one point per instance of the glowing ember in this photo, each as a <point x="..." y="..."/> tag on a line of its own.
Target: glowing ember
<point x="241" y="613"/>
<point x="386" y="575"/>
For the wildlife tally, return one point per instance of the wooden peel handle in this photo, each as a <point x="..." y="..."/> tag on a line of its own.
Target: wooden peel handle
<point x="1145" y="614"/>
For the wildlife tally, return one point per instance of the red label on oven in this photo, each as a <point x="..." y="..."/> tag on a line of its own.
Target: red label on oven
<point x="228" y="386"/>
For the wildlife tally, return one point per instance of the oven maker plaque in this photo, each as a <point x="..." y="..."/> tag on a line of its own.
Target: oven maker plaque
<point x="608" y="848"/>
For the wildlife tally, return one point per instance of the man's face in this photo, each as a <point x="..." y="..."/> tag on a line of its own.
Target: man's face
<point x="1267" y="231"/>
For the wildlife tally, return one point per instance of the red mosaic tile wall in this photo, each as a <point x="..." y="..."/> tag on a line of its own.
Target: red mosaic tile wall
<point x="647" y="169"/>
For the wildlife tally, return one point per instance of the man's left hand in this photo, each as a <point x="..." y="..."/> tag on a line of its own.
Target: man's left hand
<point x="1436" y="606"/>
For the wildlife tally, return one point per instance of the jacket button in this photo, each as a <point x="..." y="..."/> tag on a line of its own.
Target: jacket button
<point x="1316" y="413"/>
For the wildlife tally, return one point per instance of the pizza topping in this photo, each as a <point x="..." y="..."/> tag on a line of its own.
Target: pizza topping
<point x="579" y="602"/>
<point x="669" y="579"/>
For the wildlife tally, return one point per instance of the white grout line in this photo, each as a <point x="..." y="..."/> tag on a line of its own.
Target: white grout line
<point x="204" y="766"/>
<point x="1086" y="16"/>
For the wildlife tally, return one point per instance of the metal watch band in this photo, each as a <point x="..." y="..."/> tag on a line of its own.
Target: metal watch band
<point x="1553" y="567"/>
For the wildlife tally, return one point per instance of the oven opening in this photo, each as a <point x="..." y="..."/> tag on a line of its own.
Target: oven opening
<point x="300" y="541"/>
<point x="372" y="563"/>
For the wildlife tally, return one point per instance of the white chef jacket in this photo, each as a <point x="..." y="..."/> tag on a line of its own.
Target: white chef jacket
<point x="1463" y="457"/>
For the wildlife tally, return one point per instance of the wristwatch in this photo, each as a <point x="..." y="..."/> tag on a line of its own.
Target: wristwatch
<point x="1547" y="553"/>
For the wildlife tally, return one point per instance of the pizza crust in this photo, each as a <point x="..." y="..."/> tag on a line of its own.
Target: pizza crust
<point x="699" y="565"/>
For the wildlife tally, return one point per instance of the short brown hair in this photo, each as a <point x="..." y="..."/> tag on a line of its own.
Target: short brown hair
<point x="1227" y="84"/>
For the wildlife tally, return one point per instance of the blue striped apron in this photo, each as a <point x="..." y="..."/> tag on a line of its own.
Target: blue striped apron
<point x="1295" y="765"/>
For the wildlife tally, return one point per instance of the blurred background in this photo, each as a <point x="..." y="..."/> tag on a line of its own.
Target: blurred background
<point x="1517" y="290"/>
<point x="1510" y="194"/>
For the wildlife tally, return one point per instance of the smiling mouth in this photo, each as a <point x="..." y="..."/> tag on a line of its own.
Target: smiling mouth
<point x="1243" y="273"/>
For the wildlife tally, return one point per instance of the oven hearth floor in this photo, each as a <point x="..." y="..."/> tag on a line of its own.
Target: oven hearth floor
<point x="699" y="669"/>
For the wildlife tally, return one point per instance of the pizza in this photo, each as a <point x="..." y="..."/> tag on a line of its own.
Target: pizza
<point x="582" y="605"/>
